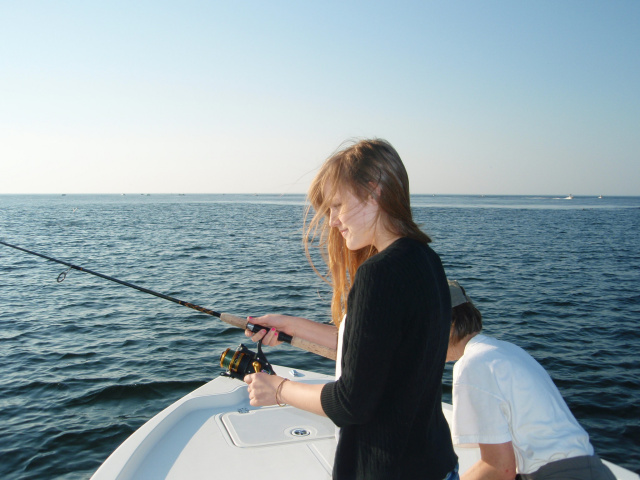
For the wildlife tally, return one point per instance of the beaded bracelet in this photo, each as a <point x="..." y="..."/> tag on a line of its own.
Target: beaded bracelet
<point x="279" y="391"/>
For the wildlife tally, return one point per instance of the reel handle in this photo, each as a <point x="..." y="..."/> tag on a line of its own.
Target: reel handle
<point x="283" y="337"/>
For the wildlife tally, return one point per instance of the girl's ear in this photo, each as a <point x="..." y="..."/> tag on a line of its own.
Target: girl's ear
<point x="375" y="192"/>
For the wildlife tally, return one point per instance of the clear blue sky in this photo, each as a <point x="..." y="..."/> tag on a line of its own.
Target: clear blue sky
<point x="478" y="97"/>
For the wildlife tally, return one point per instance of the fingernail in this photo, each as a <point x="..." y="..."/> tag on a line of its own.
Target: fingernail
<point x="273" y="329"/>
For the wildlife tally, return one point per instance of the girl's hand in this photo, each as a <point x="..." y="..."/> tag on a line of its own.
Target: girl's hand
<point x="274" y="324"/>
<point x="262" y="388"/>
<point x="301" y="328"/>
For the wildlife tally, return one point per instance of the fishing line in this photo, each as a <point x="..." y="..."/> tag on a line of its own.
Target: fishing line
<point x="225" y="317"/>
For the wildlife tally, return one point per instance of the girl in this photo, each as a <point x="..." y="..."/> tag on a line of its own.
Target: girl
<point x="392" y="314"/>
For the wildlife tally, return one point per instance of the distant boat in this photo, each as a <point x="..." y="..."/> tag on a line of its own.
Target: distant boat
<point x="570" y="197"/>
<point x="599" y="196"/>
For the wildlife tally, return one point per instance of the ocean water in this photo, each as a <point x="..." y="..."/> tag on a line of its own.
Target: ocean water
<point x="85" y="362"/>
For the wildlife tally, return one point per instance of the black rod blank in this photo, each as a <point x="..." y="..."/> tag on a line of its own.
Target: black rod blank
<point x="225" y="317"/>
<point x="121" y="282"/>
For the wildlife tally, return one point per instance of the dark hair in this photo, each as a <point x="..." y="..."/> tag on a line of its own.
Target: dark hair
<point x="465" y="320"/>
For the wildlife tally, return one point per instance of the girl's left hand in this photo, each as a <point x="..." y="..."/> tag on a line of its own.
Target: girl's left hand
<point x="262" y="388"/>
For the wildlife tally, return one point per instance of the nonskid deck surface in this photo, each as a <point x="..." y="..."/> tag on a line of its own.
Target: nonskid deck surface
<point x="214" y="431"/>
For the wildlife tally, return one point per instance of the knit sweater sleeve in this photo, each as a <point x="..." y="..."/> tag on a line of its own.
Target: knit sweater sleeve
<point x="371" y="334"/>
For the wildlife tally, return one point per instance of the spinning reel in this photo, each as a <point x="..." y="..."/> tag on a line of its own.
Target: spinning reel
<point x="244" y="362"/>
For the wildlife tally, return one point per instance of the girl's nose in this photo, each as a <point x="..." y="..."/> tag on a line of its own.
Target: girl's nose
<point x="333" y="218"/>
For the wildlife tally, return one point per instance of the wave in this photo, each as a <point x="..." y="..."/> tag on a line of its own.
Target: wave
<point x="133" y="391"/>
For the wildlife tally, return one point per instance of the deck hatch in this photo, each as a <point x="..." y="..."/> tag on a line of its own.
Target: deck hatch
<point x="272" y="426"/>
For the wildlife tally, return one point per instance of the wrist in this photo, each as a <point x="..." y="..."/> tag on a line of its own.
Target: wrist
<point x="289" y="325"/>
<point x="279" y="392"/>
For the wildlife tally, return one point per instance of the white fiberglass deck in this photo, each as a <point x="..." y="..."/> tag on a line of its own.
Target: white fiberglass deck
<point x="214" y="432"/>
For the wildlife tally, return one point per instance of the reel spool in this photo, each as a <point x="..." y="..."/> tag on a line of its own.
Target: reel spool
<point x="243" y="361"/>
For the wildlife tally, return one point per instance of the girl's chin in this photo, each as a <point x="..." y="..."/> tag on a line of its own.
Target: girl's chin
<point x="353" y="246"/>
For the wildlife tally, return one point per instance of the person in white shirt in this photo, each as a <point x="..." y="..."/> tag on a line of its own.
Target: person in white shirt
<point x="506" y="403"/>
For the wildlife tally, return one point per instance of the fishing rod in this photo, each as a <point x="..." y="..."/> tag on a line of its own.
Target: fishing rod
<point x="225" y="317"/>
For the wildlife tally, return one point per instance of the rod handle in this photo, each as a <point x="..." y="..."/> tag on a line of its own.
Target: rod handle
<point x="233" y="320"/>
<point x="283" y="337"/>
<point x="313" y="348"/>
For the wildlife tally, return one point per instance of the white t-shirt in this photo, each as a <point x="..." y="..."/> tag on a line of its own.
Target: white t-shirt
<point x="339" y="361"/>
<point x="501" y="394"/>
<point x="339" y="351"/>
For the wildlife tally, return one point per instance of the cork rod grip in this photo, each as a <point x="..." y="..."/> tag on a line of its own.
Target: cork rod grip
<point x="314" y="348"/>
<point x="233" y="320"/>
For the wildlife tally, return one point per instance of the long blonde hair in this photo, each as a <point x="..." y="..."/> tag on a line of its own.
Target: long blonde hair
<point x="366" y="168"/>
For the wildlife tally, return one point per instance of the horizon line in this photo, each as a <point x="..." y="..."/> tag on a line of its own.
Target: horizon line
<point x="557" y="195"/>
